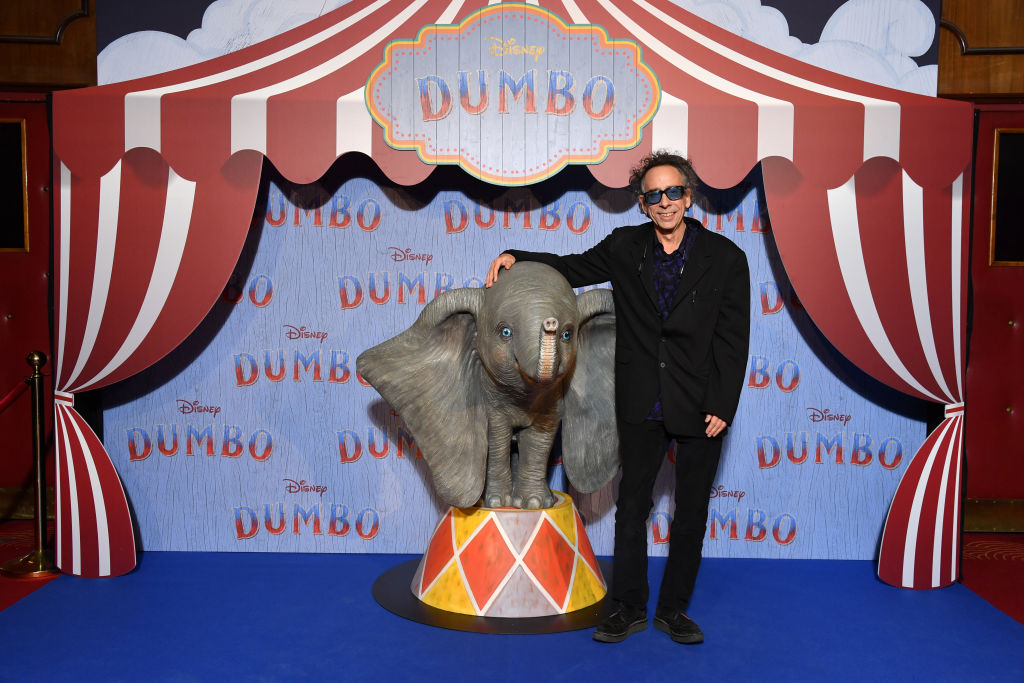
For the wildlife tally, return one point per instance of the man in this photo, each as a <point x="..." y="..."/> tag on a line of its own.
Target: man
<point x="682" y="324"/>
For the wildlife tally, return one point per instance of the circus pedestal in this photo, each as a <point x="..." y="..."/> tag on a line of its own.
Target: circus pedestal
<point x="506" y="562"/>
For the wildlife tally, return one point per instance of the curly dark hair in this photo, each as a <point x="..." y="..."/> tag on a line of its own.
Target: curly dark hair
<point x="662" y="157"/>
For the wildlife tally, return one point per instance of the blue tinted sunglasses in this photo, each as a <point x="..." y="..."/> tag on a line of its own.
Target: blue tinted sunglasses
<point x="673" y="193"/>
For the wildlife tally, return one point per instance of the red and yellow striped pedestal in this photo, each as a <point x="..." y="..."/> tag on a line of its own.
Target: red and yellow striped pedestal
<point x="506" y="562"/>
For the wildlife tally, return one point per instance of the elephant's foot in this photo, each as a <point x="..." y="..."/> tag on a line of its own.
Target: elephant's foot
<point x="497" y="498"/>
<point x="534" y="500"/>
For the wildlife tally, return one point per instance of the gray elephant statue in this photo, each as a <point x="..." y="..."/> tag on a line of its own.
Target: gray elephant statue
<point x="481" y="365"/>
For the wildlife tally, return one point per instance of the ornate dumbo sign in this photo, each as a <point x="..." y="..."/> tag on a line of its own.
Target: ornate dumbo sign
<point x="512" y="94"/>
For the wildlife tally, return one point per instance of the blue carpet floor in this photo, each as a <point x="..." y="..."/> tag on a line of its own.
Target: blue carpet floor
<point x="285" y="617"/>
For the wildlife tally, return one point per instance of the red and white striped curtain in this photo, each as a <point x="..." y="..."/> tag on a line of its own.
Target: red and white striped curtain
<point x="879" y="264"/>
<point x="142" y="256"/>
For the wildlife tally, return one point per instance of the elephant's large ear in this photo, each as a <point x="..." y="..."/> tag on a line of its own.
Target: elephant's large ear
<point x="431" y="375"/>
<point x="590" y="439"/>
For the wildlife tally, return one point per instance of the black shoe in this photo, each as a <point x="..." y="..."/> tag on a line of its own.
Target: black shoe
<point x="678" y="626"/>
<point x="624" y="621"/>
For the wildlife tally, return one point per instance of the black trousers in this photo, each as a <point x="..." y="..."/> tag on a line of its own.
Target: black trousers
<point x="642" y="448"/>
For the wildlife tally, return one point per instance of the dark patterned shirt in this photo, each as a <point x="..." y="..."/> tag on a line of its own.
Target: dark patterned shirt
<point x="667" y="270"/>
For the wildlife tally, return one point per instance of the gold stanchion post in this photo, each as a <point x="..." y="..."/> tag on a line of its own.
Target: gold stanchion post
<point x="37" y="564"/>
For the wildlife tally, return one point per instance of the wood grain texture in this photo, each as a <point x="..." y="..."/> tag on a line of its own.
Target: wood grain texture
<point x="47" y="44"/>
<point x="995" y="24"/>
<point x="40" y="22"/>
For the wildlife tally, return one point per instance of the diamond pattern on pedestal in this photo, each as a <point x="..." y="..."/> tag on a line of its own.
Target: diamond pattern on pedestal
<point x="440" y="551"/>
<point x="449" y="592"/>
<point x="583" y="547"/>
<point x="587" y="588"/>
<point x="521" y="596"/>
<point x="466" y="520"/>
<point x="550" y="559"/>
<point x="519" y="528"/>
<point x="510" y="563"/>
<point x="486" y="560"/>
<point x="566" y="523"/>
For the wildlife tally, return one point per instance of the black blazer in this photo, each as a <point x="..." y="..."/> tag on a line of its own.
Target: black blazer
<point x="698" y="356"/>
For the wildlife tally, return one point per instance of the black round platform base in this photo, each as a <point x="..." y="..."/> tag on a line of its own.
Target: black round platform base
<point x="392" y="591"/>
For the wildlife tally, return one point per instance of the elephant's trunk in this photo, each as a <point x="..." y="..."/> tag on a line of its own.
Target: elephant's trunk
<point x="548" y="350"/>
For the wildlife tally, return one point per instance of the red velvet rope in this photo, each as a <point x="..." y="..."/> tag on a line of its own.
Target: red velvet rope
<point x="14" y="393"/>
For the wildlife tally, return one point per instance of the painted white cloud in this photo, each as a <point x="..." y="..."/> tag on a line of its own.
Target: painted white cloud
<point x="143" y="54"/>
<point x="748" y="18"/>
<point x="228" y="25"/>
<point x="873" y="40"/>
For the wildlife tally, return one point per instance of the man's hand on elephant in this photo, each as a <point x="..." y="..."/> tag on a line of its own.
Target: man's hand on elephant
<point x="715" y="425"/>
<point x="505" y="260"/>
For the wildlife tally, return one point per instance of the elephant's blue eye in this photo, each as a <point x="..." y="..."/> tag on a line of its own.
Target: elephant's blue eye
<point x="506" y="332"/>
<point x="567" y="335"/>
